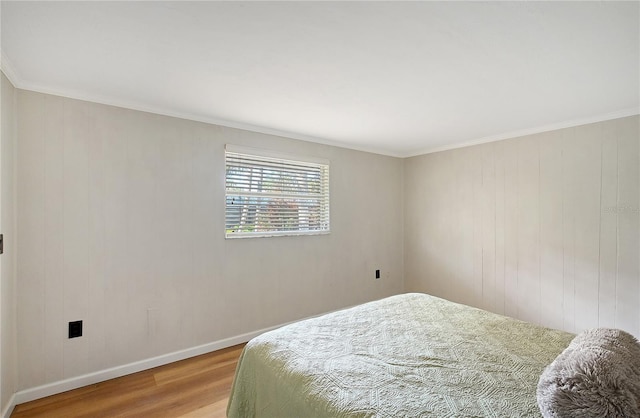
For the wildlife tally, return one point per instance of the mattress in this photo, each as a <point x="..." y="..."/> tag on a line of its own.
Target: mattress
<point x="410" y="355"/>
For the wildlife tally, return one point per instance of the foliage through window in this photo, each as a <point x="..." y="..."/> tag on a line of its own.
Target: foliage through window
<point x="267" y="195"/>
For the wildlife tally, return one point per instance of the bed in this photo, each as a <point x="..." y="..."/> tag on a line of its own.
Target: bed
<point x="409" y="355"/>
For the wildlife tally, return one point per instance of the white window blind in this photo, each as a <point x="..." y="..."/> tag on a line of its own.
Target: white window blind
<point x="268" y="195"/>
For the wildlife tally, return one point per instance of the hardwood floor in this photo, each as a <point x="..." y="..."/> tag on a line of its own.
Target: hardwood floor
<point x="194" y="388"/>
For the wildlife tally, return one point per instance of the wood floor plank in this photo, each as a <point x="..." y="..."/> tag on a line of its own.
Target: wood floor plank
<point x="216" y="409"/>
<point x="195" y="387"/>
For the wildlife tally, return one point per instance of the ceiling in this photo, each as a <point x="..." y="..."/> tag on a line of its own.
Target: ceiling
<point x="396" y="78"/>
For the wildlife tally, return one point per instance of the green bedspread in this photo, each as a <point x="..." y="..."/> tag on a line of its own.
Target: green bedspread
<point x="409" y="355"/>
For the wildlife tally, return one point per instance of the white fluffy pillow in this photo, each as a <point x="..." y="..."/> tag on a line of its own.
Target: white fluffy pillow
<point x="598" y="375"/>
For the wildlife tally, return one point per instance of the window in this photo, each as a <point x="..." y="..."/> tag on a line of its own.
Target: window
<point x="270" y="195"/>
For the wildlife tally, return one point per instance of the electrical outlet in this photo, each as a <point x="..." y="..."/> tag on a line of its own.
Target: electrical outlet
<point x="377" y="274"/>
<point x="75" y="329"/>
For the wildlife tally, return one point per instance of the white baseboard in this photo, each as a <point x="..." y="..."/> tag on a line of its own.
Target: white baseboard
<point x="60" y="386"/>
<point x="9" y="408"/>
<point x="49" y="389"/>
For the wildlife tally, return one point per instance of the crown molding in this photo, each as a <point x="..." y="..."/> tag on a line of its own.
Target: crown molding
<point x="530" y="131"/>
<point x="9" y="70"/>
<point x="142" y="107"/>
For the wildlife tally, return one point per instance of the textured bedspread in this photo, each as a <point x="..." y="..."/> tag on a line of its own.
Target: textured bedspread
<point x="410" y="355"/>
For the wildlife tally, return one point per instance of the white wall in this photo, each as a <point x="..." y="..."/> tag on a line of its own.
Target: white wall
<point x="544" y="228"/>
<point x="8" y="380"/>
<point x="121" y="223"/>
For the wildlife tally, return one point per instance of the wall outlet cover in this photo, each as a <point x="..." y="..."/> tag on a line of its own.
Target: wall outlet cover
<point x="75" y="329"/>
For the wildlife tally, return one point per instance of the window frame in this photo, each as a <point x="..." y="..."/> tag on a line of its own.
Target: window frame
<point x="271" y="157"/>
